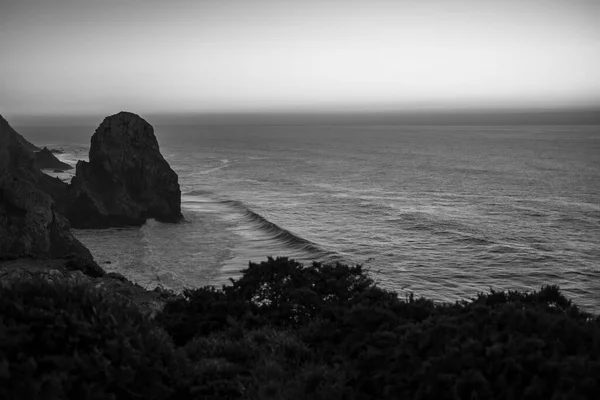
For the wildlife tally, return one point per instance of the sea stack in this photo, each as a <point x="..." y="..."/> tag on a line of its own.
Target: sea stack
<point x="45" y="159"/>
<point x="126" y="180"/>
<point x="29" y="223"/>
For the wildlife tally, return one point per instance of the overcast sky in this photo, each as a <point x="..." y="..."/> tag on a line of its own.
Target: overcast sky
<point x="102" y="56"/>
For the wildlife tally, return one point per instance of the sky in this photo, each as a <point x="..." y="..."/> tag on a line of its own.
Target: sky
<point x="60" y="57"/>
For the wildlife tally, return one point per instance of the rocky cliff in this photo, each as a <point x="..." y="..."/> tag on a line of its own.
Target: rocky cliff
<point x="126" y="180"/>
<point x="30" y="226"/>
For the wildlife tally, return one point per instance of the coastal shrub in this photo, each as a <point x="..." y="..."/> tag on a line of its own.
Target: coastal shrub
<point x="286" y="293"/>
<point x="373" y="345"/>
<point x="67" y="341"/>
<point x="199" y="312"/>
<point x="279" y="293"/>
<point x="286" y="331"/>
<point x="472" y="351"/>
<point x="263" y="364"/>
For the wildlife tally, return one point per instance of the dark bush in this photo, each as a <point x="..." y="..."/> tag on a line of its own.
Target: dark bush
<point x="65" y="341"/>
<point x="277" y="293"/>
<point x="498" y="346"/>
<point x="284" y="331"/>
<point x="199" y="312"/>
<point x="263" y="364"/>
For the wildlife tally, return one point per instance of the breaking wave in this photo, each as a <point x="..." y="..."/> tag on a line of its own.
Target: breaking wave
<point x="259" y="222"/>
<point x="278" y="233"/>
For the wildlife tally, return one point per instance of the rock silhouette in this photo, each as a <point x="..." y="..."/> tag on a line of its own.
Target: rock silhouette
<point x="30" y="226"/>
<point x="45" y="159"/>
<point x="126" y="180"/>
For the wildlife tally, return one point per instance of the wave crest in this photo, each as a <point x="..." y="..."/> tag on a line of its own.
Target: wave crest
<point x="280" y="234"/>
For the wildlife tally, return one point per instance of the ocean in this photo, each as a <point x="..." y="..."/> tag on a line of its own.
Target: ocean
<point x="443" y="212"/>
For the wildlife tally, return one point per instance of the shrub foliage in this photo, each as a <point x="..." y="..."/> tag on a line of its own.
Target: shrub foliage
<point x="369" y="344"/>
<point x="288" y="331"/>
<point x="65" y="341"/>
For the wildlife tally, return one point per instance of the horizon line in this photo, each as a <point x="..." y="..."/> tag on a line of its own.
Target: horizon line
<point x="485" y="116"/>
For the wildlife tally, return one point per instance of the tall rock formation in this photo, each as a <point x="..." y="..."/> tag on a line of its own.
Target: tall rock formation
<point x="126" y="180"/>
<point x="29" y="223"/>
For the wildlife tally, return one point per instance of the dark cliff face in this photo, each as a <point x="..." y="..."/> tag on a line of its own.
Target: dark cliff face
<point x="29" y="223"/>
<point x="126" y="180"/>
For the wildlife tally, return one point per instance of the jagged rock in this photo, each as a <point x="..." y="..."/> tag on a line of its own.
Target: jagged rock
<point x="44" y="159"/>
<point x="126" y="180"/>
<point x="29" y="224"/>
<point x="52" y="186"/>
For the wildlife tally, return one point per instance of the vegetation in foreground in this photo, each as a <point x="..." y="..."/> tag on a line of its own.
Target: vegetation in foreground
<point x="285" y="331"/>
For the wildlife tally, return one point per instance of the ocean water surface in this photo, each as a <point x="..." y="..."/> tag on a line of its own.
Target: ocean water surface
<point x="444" y="212"/>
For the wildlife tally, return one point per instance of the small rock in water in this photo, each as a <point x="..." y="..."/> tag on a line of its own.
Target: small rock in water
<point x="45" y="159"/>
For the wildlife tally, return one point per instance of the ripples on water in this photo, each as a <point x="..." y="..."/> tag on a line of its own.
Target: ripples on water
<point x="445" y="212"/>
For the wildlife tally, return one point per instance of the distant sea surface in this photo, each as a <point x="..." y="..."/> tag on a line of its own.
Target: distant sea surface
<point x="444" y="212"/>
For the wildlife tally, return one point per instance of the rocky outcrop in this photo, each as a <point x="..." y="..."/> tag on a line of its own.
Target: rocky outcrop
<point x="126" y="180"/>
<point x="30" y="226"/>
<point x="44" y="159"/>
